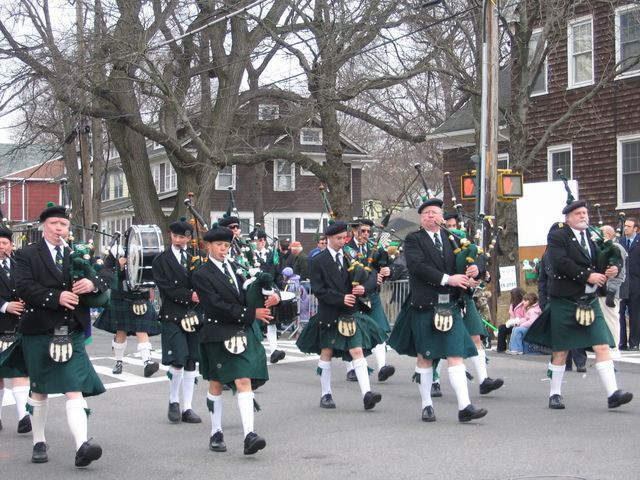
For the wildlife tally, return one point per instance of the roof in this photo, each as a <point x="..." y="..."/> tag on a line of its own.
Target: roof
<point x="14" y="158"/>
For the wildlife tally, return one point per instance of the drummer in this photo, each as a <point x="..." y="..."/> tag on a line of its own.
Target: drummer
<point x="266" y="258"/>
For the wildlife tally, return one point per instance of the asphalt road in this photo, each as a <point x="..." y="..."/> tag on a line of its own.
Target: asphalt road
<point x="519" y="438"/>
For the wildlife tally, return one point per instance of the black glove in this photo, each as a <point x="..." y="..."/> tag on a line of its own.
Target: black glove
<point x="609" y="301"/>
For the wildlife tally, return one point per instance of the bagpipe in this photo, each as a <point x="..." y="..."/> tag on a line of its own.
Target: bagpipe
<point x="607" y="252"/>
<point x="200" y="226"/>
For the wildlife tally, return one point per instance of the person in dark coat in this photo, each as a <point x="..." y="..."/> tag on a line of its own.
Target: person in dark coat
<point x="10" y="309"/>
<point x="54" y="314"/>
<point x="573" y="318"/>
<point x="231" y="350"/>
<point x="179" y="314"/>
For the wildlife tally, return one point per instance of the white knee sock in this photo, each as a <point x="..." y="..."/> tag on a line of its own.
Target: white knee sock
<point x="216" y="414"/>
<point x="480" y="363"/>
<point x="175" y="380"/>
<point x="325" y="378"/>
<point x="272" y="337"/>
<point x="426" y="377"/>
<point x="38" y="418"/>
<point x="188" y="387"/>
<point x="77" y="419"/>
<point x="245" y="405"/>
<point x="458" y="379"/>
<point x="555" y="385"/>
<point x="607" y="373"/>
<point x="438" y="371"/>
<point x="20" y="394"/>
<point x="349" y="366"/>
<point x="362" y="372"/>
<point x="118" y="350"/>
<point x="144" y="349"/>
<point x="380" y="352"/>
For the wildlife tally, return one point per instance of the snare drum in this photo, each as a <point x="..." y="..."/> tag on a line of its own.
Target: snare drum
<point x="287" y="310"/>
<point x="141" y="244"/>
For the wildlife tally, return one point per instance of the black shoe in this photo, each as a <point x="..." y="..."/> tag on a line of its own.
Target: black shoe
<point x="435" y="390"/>
<point x="87" y="453"/>
<point x="24" y="425"/>
<point x="39" y="453"/>
<point x="618" y="398"/>
<point x="489" y="385"/>
<point x="174" y="412"/>
<point x="226" y="387"/>
<point x="117" y="369"/>
<point x="633" y="349"/>
<point x="555" y="402"/>
<point x="189" y="416"/>
<point x="471" y="413"/>
<point x="622" y="347"/>
<point x="428" y="415"/>
<point x="150" y="368"/>
<point x="386" y="372"/>
<point x="351" y="376"/>
<point x="581" y="368"/>
<point x="216" y="443"/>
<point x="0" y="424"/>
<point x="277" y="355"/>
<point x="327" y="401"/>
<point x="253" y="442"/>
<point x="370" y="399"/>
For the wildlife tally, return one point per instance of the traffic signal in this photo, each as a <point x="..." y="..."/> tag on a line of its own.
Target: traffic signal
<point x="468" y="187"/>
<point x="510" y="185"/>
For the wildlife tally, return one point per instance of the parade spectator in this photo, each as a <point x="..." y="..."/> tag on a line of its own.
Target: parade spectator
<point x="516" y="309"/>
<point x="521" y="325"/>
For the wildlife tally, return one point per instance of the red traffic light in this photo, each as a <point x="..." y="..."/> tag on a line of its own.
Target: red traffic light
<point x="468" y="187"/>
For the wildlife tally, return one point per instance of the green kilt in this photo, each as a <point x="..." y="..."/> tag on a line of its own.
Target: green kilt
<point x="178" y="347"/>
<point x="18" y="368"/>
<point x="217" y="364"/>
<point x="415" y="333"/>
<point x="368" y="334"/>
<point x="472" y="319"/>
<point x="558" y="329"/>
<point x="47" y="376"/>
<point x="119" y="317"/>
<point x="377" y="313"/>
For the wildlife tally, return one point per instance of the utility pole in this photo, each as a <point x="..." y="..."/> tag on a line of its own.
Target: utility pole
<point x="487" y="204"/>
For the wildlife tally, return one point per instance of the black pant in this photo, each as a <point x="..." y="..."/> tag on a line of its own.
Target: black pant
<point x="633" y="302"/>
<point x="503" y="331"/>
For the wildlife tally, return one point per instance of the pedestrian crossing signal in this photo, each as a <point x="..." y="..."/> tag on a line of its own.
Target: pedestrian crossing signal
<point x="510" y="185"/>
<point x="468" y="187"/>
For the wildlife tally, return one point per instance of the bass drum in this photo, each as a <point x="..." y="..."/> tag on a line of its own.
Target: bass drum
<point x="141" y="244"/>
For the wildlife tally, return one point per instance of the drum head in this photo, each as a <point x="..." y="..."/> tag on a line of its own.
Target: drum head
<point x="142" y="244"/>
<point x="287" y="296"/>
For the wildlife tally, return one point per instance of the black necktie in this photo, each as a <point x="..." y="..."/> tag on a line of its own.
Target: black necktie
<point x="436" y="240"/>
<point x="183" y="259"/>
<point x="628" y="243"/>
<point x="5" y="265"/>
<point x="59" y="259"/>
<point x="227" y="273"/>
<point x="584" y="243"/>
<point x="339" y="261"/>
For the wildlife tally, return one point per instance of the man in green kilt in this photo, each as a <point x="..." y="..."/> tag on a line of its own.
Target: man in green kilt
<point x="430" y="325"/>
<point x="231" y="350"/>
<point x="573" y="318"/>
<point x="10" y="309"/>
<point x="179" y="315"/>
<point x="128" y="313"/>
<point x="52" y="327"/>
<point x="360" y="247"/>
<point x="339" y="329"/>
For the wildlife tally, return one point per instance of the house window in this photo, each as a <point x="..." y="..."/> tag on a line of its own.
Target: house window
<point x="540" y="86"/>
<point x="268" y="112"/>
<point x="580" y="53"/>
<point x="283" y="177"/>
<point x="311" y="136"/>
<point x="284" y="228"/>
<point x="118" y="184"/>
<point x="628" y="36"/>
<point x="164" y="177"/>
<point x="559" y="157"/>
<point x="3" y="194"/>
<point x="226" y="178"/>
<point x="629" y="171"/>
<point x="310" y="225"/>
<point x="503" y="161"/>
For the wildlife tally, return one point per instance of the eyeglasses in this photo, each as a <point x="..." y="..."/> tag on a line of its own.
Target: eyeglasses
<point x="234" y="227"/>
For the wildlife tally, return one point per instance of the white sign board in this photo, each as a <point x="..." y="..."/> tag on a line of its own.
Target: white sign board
<point x="541" y="206"/>
<point x="508" y="278"/>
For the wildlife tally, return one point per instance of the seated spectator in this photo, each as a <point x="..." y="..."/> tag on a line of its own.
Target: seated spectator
<point x="516" y="309"/>
<point x="521" y="325"/>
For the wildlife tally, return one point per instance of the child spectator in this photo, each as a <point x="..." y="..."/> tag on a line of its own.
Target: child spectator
<point x="521" y="325"/>
<point x="515" y="310"/>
